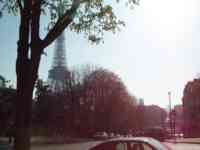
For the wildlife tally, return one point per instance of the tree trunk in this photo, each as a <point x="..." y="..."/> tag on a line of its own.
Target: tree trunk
<point x="24" y="87"/>
<point x="23" y="117"/>
<point x="27" y="64"/>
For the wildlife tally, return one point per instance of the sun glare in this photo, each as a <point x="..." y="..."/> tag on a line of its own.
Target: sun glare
<point x="169" y="20"/>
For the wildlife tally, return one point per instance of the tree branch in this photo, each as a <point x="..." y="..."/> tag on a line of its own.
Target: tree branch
<point x="20" y="5"/>
<point x="35" y="20"/>
<point x="35" y="28"/>
<point x="61" y="24"/>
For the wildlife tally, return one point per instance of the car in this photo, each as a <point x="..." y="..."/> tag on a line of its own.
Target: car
<point x="111" y="135"/>
<point x="157" y="133"/>
<point x="100" y="136"/>
<point x="178" y="135"/>
<point x="136" y="143"/>
<point x="117" y="135"/>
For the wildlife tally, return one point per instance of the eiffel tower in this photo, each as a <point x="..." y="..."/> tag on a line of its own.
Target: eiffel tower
<point x="59" y="71"/>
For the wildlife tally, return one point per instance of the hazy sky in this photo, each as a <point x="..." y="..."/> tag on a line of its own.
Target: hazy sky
<point x="157" y="51"/>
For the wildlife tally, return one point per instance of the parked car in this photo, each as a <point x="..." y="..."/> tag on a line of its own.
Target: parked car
<point x="157" y="133"/>
<point x="178" y="135"/>
<point x="137" y="143"/>
<point x="117" y="135"/>
<point x="111" y="135"/>
<point x="100" y="136"/>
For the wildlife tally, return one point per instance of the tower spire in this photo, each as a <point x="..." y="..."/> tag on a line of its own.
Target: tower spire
<point x="59" y="58"/>
<point x="59" y="71"/>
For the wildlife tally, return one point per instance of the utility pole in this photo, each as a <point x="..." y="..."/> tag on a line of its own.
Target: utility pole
<point x="170" y="111"/>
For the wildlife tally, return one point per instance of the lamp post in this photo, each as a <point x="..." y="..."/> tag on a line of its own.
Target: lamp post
<point x="170" y="117"/>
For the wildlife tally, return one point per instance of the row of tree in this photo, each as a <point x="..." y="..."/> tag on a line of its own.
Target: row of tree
<point x="191" y="108"/>
<point x="94" y="99"/>
<point x="7" y="109"/>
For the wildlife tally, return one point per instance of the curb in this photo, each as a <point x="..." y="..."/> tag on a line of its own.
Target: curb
<point x="185" y="142"/>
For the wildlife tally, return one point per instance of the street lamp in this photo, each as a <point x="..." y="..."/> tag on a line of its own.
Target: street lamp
<point x="169" y="96"/>
<point x="170" y="117"/>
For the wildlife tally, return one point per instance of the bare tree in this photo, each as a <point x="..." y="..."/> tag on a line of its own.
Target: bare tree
<point x="107" y="100"/>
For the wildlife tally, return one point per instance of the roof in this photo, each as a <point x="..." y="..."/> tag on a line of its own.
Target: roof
<point x="148" y="140"/>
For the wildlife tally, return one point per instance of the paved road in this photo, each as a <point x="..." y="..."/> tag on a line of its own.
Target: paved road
<point x="76" y="146"/>
<point x="85" y="145"/>
<point x="183" y="146"/>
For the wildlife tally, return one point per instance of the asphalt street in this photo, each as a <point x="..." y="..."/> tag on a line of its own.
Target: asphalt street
<point x="86" y="145"/>
<point x="183" y="146"/>
<point x="75" y="146"/>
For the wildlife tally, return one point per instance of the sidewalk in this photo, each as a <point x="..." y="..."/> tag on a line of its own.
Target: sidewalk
<point x="57" y="140"/>
<point x="185" y="140"/>
<point x="50" y="140"/>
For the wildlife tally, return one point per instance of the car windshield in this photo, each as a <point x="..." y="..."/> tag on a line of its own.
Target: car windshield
<point x="157" y="144"/>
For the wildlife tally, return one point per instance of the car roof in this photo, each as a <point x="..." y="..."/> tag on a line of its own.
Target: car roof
<point x="148" y="140"/>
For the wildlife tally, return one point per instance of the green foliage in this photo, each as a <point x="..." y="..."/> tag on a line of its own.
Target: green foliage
<point x="92" y="18"/>
<point x="9" y="6"/>
<point x="2" y="81"/>
<point x="7" y="109"/>
<point x="41" y="88"/>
